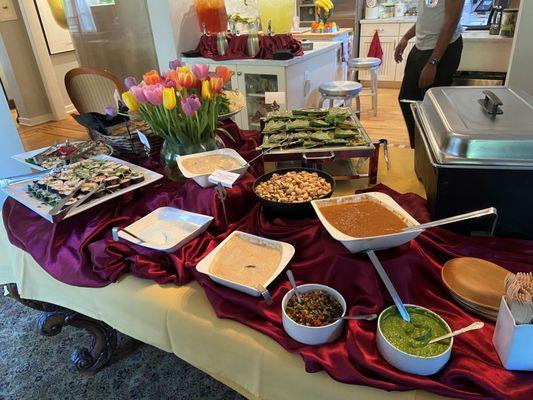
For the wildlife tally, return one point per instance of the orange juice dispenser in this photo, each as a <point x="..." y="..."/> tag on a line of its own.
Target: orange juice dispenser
<point x="279" y="12"/>
<point x="212" y="15"/>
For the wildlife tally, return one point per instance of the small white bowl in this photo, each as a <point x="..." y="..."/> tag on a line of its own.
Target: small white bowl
<point x="313" y="335"/>
<point x="407" y="362"/>
<point x="203" y="179"/>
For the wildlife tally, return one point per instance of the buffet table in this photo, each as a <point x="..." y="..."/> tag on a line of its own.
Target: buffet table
<point x="182" y="321"/>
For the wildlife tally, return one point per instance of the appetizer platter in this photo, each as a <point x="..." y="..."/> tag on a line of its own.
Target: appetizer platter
<point x="230" y="104"/>
<point x="293" y="134"/>
<point x="83" y="185"/>
<point x="62" y="154"/>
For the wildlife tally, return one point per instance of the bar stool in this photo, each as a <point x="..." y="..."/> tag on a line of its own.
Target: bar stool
<point x="341" y="90"/>
<point x="370" y="64"/>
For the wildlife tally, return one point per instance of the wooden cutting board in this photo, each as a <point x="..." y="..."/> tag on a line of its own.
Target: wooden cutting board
<point x="475" y="281"/>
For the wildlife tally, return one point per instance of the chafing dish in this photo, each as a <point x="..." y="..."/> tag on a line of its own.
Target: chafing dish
<point x="474" y="149"/>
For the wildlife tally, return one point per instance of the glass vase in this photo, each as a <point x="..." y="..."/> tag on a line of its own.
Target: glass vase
<point x="171" y="151"/>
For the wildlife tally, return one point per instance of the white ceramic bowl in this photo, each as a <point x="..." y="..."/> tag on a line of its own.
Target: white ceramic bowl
<point x="407" y="362"/>
<point x="203" y="179"/>
<point x="356" y="245"/>
<point x="313" y="334"/>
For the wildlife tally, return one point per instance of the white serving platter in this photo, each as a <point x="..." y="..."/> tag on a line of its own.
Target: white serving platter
<point x="202" y="179"/>
<point x="356" y="245"/>
<point x="287" y="252"/>
<point x="29" y="154"/>
<point x="166" y="229"/>
<point x="19" y="191"/>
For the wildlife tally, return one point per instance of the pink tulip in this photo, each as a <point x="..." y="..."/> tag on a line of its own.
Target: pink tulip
<point x="201" y="71"/>
<point x="174" y="64"/>
<point x="138" y="93"/>
<point x="190" y="105"/>
<point x="130" y="81"/>
<point x="154" y="93"/>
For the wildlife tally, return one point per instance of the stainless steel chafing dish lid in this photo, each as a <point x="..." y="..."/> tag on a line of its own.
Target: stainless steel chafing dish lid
<point x="466" y="125"/>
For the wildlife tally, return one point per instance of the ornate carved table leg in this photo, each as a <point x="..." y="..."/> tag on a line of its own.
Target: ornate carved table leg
<point x="52" y="320"/>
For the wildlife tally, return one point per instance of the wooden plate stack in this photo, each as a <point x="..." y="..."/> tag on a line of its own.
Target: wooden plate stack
<point x="475" y="284"/>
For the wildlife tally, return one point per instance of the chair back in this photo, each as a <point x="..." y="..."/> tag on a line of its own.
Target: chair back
<point x="91" y="89"/>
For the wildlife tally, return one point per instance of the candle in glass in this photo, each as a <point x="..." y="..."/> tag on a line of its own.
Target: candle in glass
<point x="212" y="14"/>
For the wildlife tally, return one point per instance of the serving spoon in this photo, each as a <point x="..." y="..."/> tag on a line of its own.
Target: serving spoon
<point x="456" y="218"/>
<point x="294" y="287"/>
<point x="471" y="327"/>
<point x="367" y="317"/>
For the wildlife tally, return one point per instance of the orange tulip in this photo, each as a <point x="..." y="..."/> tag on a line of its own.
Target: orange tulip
<point x="224" y="73"/>
<point x="186" y="79"/>
<point x="173" y="76"/>
<point x="151" y="77"/>
<point x="216" y="83"/>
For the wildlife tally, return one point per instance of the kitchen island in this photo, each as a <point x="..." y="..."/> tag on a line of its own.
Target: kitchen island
<point x="296" y="79"/>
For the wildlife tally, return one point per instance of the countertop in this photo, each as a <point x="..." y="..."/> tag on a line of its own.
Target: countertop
<point x="470" y="36"/>
<point x="319" y="49"/>
<point x="342" y="32"/>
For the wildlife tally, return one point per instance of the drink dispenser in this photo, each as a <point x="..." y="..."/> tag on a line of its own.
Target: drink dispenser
<point x="279" y="12"/>
<point x="212" y="15"/>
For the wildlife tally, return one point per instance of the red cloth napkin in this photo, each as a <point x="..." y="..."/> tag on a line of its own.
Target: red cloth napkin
<point x="237" y="47"/>
<point x="375" y="49"/>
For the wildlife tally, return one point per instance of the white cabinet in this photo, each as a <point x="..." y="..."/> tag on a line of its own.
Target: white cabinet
<point x="389" y="36"/>
<point x="387" y="69"/>
<point x="400" y="68"/>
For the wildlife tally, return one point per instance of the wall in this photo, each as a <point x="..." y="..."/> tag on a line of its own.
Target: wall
<point x="185" y="25"/>
<point x="64" y="62"/>
<point x="519" y="74"/>
<point x="22" y="72"/>
<point x="10" y="145"/>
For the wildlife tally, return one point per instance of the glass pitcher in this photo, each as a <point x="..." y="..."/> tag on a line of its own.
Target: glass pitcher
<point x="280" y="12"/>
<point x="212" y="15"/>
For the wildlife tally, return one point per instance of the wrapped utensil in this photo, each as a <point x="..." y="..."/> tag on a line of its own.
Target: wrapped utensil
<point x="519" y="296"/>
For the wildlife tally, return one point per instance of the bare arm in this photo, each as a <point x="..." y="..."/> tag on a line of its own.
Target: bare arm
<point x="402" y="44"/>
<point x="453" y="10"/>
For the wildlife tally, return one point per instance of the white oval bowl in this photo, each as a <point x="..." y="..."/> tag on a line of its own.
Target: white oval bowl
<point x="313" y="335"/>
<point x="408" y="362"/>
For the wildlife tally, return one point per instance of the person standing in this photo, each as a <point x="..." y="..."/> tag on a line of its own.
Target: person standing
<point x="435" y="56"/>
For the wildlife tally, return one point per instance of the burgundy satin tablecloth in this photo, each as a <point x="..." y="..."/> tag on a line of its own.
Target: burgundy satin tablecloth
<point x="80" y="251"/>
<point x="237" y="47"/>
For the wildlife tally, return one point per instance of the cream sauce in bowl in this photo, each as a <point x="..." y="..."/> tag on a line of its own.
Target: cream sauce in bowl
<point x="208" y="164"/>
<point x="247" y="262"/>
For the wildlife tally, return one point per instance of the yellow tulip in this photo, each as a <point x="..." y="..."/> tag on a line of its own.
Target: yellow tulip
<point x="206" y="91"/>
<point x="130" y="101"/>
<point x="169" y="98"/>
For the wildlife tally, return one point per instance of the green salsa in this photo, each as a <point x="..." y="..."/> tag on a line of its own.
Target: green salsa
<point x="412" y="337"/>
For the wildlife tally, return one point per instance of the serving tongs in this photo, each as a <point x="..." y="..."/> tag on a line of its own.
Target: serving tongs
<point x="26" y="177"/>
<point x="283" y="143"/>
<point x="61" y="209"/>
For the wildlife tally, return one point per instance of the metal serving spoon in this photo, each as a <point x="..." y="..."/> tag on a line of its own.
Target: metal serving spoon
<point x="367" y="317"/>
<point x="456" y="218"/>
<point x="293" y="284"/>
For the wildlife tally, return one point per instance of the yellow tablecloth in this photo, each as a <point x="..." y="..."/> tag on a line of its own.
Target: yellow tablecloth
<point x="181" y="320"/>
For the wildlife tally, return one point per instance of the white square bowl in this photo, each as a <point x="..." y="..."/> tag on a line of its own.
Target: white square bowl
<point x="287" y="252"/>
<point x="167" y="229"/>
<point x="202" y="179"/>
<point x="356" y="245"/>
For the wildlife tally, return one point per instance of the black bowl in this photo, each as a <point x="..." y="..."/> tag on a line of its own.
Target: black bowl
<point x="298" y="210"/>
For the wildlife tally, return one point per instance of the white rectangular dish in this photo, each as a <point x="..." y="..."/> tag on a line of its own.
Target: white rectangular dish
<point x="202" y="179"/>
<point x="166" y="229"/>
<point x="19" y="191"/>
<point x="356" y="245"/>
<point x="287" y="252"/>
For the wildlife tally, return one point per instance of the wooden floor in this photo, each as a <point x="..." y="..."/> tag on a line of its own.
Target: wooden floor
<point x="388" y="124"/>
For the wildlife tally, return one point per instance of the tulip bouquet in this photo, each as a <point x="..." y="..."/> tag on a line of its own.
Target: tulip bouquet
<point x="181" y="104"/>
